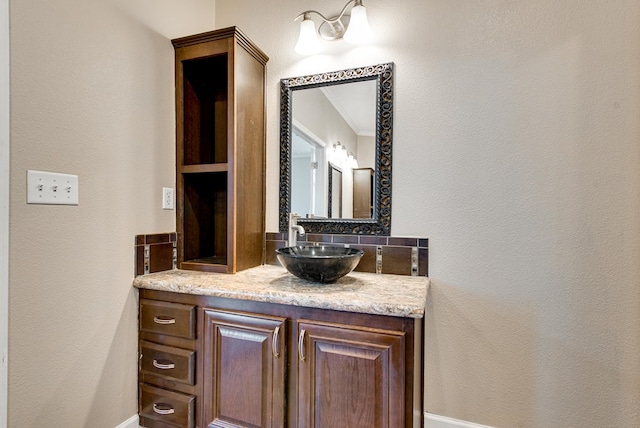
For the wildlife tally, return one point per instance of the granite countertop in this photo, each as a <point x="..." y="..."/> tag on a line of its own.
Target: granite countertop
<point x="380" y="294"/>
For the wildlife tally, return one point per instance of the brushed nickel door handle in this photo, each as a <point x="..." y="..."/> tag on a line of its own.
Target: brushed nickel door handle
<point x="166" y="410"/>
<point x="168" y="365"/>
<point x="164" y="320"/>
<point x="275" y="343"/>
<point x="301" y="345"/>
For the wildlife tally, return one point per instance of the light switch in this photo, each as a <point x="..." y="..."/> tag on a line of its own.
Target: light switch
<point x="52" y="188"/>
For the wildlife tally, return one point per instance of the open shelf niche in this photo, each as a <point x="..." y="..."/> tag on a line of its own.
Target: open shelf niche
<point x="220" y="151"/>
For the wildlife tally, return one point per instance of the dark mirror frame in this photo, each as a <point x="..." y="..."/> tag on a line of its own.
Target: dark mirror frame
<point x="380" y="224"/>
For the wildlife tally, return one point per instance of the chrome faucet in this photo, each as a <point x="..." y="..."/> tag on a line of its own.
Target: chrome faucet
<point x="294" y="229"/>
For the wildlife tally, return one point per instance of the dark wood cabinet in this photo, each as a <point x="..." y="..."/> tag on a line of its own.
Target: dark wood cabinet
<point x="220" y="151"/>
<point x="168" y="362"/>
<point x="350" y="376"/>
<point x="160" y="408"/>
<point x="167" y="365"/>
<point x="363" y="193"/>
<point x="270" y="365"/>
<point x="172" y="319"/>
<point x="244" y="369"/>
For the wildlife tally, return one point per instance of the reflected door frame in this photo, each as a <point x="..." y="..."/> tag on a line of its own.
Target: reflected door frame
<point x="334" y="197"/>
<point x="318" y="175"/>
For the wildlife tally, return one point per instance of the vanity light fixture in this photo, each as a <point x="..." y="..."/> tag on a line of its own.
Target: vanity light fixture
<point x="341" y="157"/>
<point x="339" y="152"/>
<point x="353" y="28"/>
<point x="352" y="160"/>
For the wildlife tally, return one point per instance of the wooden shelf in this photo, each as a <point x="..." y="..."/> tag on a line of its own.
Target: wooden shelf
<point x="210" y="264"/>
<point x="203" y="168"/>
<point x="220" y="151"/>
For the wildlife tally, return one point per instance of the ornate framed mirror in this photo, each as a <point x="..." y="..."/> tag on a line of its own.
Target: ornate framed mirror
<point x="343" y="118"/>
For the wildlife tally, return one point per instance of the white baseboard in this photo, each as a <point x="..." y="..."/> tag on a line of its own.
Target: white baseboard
<point x="436" y="421"/>
<point x="430" y="421"/>
<point x="132" y="422"/>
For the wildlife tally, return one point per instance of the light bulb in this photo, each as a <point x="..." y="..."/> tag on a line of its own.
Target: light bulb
<point x="359" y="32"/>
<point x="308" y="43"/>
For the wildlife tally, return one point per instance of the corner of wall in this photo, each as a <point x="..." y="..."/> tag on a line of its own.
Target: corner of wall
<point x="132" y="422"/>
<point x="436" y="421"/>
<point x="4" y="205"/>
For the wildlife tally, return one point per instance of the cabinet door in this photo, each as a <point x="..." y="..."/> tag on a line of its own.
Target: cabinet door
<point x="349" y="376"/>
<point x="244" y="364"/>
<point x="362" y="193"/>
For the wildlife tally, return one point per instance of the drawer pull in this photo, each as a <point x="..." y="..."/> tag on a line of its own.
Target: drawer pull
<point x="164" y="320"/>
<point x="301" y="345"/>
<point x="275" y="344"/>
<point x="163" y="409"/>
<point x="164" y="364"/>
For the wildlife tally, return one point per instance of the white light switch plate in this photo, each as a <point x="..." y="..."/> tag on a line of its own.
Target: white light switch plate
<point x="52" y="188"/>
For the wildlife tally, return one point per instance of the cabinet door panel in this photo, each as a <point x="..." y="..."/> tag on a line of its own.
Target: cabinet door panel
<point x="362" y="193"/>
<point x="244" y="363"/>
<point x="350" y="377"/>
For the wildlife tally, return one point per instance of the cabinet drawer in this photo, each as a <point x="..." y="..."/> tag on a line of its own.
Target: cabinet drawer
<point x="168" y="362"/>
<point x="167" y="406"/>
<point x="173" y="319"/>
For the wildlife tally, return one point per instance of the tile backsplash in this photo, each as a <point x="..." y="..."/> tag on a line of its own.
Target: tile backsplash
<point x="155" y="253"/>
<point x="382" y="254"/>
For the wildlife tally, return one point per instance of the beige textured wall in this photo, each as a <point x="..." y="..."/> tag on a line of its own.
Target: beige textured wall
<point x="91" y="94"/>
<point x="517" y="121"/>
<point x="4" y="206"/>
<point x="517" y="152"/>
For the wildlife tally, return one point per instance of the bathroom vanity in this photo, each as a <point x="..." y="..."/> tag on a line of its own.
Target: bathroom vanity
<point x="263" y="348"/>
<point x="228" y="341"/>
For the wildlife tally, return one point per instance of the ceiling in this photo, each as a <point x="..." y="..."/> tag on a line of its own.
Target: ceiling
<point x="356" y="102"/>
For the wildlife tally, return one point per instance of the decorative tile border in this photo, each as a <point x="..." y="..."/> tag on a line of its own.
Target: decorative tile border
<point x="382" y="254"/>
<point x="155" y="253"/>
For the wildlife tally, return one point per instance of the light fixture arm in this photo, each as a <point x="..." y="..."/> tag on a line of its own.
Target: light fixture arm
<point x="306" y="13"/>
<point x="356" y="32"/>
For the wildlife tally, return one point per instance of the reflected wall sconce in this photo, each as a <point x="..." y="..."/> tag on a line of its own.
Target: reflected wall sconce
<point x="353" y="28"/>
<point x="343" y="159"/>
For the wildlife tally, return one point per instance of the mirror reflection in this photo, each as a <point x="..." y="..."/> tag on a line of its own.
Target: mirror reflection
<point x="335" y="192"/>
<point x="335" y="150"/>
<point x="332" y="125"/>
